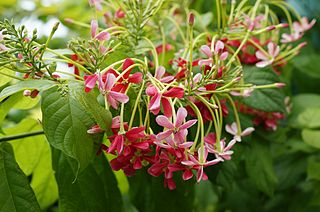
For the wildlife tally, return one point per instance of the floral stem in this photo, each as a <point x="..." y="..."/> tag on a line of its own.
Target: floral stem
<point x="22" y="135"/>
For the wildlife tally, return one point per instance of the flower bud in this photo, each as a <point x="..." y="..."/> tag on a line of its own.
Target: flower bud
<point x="191" y="19"/>
<point x="27" y="93"/>
<point x="280" y="85"/>
<point x="68" y="20"/>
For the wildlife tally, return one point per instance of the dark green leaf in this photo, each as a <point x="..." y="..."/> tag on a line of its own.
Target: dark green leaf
<point x="269" y="100"/>
<point x="16" y="194"/>
<point x="259" y="167"/>
<point x="95" y="189"/>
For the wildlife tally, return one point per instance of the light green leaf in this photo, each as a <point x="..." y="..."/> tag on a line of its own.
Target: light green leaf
<point x="34" y="158"/>
<point x="16" y="194"/>
<point x="309" y="118"/>
<point x="6" y="106"/>
<point x="94" y="190"/>
<point x="259" y="167"/>
<point x="24" y="85"/>
<point x="269" y="100"/>
<point x="311" y="137"/>
<point x="3" y="78"/>
<point x="66" y="121"/>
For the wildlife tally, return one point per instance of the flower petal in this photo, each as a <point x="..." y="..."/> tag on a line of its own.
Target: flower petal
<point x="181" y="115"/>
<point x="164" y="122"/>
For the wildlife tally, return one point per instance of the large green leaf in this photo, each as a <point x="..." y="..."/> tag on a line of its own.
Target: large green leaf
<point x="309" y="118"/>
<point x="34" y="158"/>
<point x="94" y="190"/>
<point x="269" y="100"/>
<point x="66" y="121"/>
<point x="16" y="194"/>
<point x="24" y="85"/>
<point x="259" y="167"/>
<point x="311" y="137"/>
<point x="313" y="169"/>
<point x="7" y="105"/>
<point x="4" y="78"/>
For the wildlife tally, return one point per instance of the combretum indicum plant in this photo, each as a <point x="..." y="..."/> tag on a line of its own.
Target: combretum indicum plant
<point x="154" y="84"/>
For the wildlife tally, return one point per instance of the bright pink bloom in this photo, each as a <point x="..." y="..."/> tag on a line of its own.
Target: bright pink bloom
<point x="233" y="130"/>
<point x="304" y="25"/>
<point x="218" y="50"/>
<point x="158" y="99"/>
<point x="96" y="3"/>
<point x="160" y="75"/>
<point x="90" y="82"/>
<point x="113" y="97"/>
<point x="273" y="52"/>
<point x="178" y="129"/>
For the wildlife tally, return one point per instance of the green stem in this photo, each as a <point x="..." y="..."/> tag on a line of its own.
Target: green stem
<point x="22" y="135"/>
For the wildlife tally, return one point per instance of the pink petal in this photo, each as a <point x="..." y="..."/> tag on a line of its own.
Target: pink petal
<point x="263" y="64"/>
<point x="200" y="174"/>
<point x="120" y="97"/>
<point x="180" y="136"/>
<point x="186" y="145"/>
<point x="110" y="81"/>
<point x="154" y="105"/>
<point x="187" y="174"/>
<point x="206" y="62"/>
<point x="188" y="163"/>
<point x="188" y="124"/>
<point x="167" y="110"/>
<point x="164" y="135"/>
<point x="94" y="28"/>
<point x="210" y="138"/>
<point x="164" y="122"/>
<point x="175" y="92"/>
<point x="224" y="56"/>
<point x="218" y="46"/>
<point x="247" y="131"/>
<point x="181" y="115"/>
<point x="90" y="82"/>
<point x="135" y="78"/>
<point x="260" y="55"/>
<point x="112" y="101"/>
<point x="160" y="72"/>
<point x="206" y="50"/>
<point x="231" y="130"/>
<point x="103" y="36"/>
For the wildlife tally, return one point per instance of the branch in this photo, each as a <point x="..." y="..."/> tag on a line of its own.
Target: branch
<point x="23" y="135"/>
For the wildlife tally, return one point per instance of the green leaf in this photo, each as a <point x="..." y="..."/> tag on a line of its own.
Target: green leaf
<point x="94" y="190"/>
<point x="16" y="193"/>
<point x="269" y="100"/>
<point x="308" y="64"/>
<point x="66" y="121"/>
<point x="300" y="103"/>
<point x="259" y="167"/>
<point x="24" y="85"/>
<point x="313" y="169"/>
<point x="309" y="118"/>
<point x="7" y="105"/>
<point x="102" y="116"/>
<point x="34" y="158"/>
<point x="3" y="78"/>
<point x="311" y="137"/>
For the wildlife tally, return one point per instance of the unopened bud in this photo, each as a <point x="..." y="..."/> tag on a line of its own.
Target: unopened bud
<point x="237" y="79"/>
<point x="301" y="45"/>
<point x="34" y="93"/>
<point x="55" y="27"/>
<point x="191" y="19"/>
<point x="280" y="85"/>
<point x="284" y="25"/>
<point x="270" y="28"/>
<point x="27" y="93"/>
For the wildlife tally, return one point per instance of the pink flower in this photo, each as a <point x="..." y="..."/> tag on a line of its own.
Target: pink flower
<point x="90" y="82"/>
<point x="233" y="130"/>
<point x="304" y="25"/>
<point x="95" y="129"/>
<point x="288" y="38"/>
<point x="218" y="50"/>
<point x="113" y="97"/>
<point x="273" y="52"/>
<point x="158" y="99"/>
<point x="245" y="93"/>
<point x="224" y="153"/>
<point x="102" y="36"/>
<point x="200" y="163"/>
<point x="160" y="72"/>
<point x="178" y="129"/>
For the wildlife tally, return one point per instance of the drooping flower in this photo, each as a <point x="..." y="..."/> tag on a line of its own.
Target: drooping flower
<point x="200" y="162"/>
<point x="233" y="130"/>
<point x="273" y="52"/>
<point x="218" y="50"/>
<point x="303" y="25"/>
<point x="177" y="129"/>
<point x="225" y="152"/>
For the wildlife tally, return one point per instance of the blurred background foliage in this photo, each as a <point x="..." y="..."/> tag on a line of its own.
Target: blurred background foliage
<point x="277" y="171"/>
